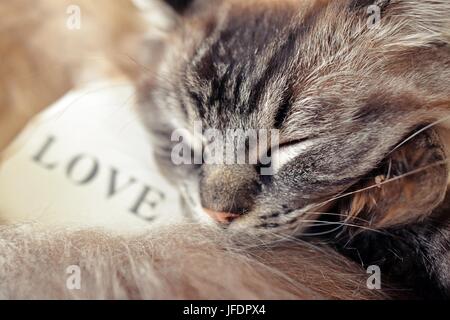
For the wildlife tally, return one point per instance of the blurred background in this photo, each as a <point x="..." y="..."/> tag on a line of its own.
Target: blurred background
<point x="68" y="130"/>
<point x="49" y="46"/>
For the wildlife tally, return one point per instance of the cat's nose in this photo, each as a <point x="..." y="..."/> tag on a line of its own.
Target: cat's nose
<point x="221" y="217"/>
<point x="229" y="188"/>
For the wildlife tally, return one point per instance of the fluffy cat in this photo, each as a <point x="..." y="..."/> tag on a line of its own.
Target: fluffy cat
<point x="365" y="90"/>
<point x="180" y="262"/>
<point x="357" y="107"/>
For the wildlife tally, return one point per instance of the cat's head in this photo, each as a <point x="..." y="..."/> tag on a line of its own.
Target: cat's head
<point x="339" y="89"/>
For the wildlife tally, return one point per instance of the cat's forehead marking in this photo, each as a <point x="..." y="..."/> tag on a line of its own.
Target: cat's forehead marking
<point x="251" y="70"/>
<point x="246" y="66"/>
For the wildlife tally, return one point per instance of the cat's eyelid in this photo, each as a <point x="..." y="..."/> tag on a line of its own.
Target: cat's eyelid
<point x="285" y="144"/>
<point x="287" y="152"/>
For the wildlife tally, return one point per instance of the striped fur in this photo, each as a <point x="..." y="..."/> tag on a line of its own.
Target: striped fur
<point x="318" y="72"/>
<point x="182" y="262"/>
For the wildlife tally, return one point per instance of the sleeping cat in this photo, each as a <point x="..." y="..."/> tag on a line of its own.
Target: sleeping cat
<point x="360" y="109"/>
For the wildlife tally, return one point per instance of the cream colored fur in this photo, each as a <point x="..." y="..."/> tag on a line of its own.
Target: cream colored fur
<point x="180" y="262"/>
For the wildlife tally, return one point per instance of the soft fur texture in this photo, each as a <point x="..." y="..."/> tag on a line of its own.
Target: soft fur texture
<point x="181" y="262"/>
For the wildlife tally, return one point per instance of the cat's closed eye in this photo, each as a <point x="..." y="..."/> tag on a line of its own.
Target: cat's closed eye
<point x="286" y="152"/>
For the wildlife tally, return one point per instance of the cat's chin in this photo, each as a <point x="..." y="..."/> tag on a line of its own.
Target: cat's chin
<point x="252" y="224"/>
<point x="248" y="230"/>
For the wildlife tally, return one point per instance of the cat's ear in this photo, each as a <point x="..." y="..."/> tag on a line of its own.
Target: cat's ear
<point x="407" y="186"/>
<point x="159" y="19"/>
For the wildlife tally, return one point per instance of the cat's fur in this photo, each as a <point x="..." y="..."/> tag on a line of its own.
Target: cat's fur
<point x="417" y="34"/>
<point x="317" y="72"/>
<point x="180" y="262"/>
<point x="185" y="262"/>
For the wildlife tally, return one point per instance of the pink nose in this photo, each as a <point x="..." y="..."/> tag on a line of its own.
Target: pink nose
<point x="221" y="217"/>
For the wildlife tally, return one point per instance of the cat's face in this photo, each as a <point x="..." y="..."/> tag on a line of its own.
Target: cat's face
<point x="309" y="72"/>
